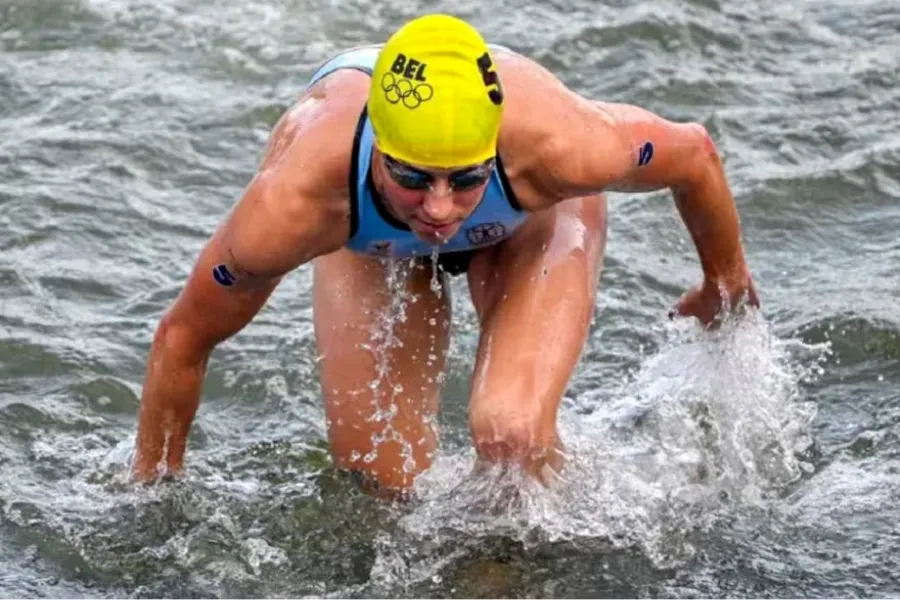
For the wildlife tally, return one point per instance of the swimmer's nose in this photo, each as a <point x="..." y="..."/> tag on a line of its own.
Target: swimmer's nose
<point x="438" y="203"/>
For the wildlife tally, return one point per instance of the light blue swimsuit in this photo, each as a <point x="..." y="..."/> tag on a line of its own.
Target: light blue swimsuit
<point x="374" y="230"/>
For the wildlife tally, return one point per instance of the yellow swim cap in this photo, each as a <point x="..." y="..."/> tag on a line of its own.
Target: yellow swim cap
<point x="436" y="99"/>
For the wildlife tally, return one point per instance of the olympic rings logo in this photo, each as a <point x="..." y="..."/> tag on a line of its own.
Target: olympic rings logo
<point x="403" y="90"/>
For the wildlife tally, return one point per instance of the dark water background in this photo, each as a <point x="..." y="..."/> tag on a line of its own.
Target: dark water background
<point x="762" y="460"/>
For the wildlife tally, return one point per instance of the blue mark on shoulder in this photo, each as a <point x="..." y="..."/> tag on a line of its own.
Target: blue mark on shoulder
<point x="646" y="154"/>
<point x="223" y="276"/>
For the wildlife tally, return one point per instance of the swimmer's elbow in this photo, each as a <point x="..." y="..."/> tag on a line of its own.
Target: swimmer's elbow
<point x="701" y="159"/>
<point x="703" y="143"/>
<point x="180" y="342"/>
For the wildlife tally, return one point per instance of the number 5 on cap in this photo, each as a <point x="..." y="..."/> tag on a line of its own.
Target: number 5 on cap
<point x="490" y="79"/>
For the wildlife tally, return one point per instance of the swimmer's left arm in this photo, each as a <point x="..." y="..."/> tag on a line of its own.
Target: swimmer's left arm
<point x="654" y="153"/>
<point x="566" y="146"/>
<point x="641" y="152"/>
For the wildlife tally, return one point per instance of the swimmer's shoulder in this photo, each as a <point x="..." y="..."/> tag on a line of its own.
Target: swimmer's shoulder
<point x="540" y="115"/>
<point x="312" y="144"/>
<point x="317" y="132"/>
<point x="532" y="95"/>
<point x="304" y="173"/>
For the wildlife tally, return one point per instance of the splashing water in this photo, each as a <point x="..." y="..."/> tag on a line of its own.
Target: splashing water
<point x="383" y="339"/>
<point x="436" y="286"/>
<point x="713" y="423"/>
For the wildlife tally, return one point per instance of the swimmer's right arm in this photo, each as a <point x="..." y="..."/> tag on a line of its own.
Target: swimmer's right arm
<point x="273" y="229"/>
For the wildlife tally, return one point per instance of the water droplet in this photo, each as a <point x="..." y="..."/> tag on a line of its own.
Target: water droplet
<point x="435" y="283"/>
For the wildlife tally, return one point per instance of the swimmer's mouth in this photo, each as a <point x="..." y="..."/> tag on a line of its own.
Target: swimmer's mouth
<point x="441" y="230"/>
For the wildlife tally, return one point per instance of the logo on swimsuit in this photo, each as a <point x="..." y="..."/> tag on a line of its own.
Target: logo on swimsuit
<point x="382" y="248"/>
<point x="404" y="90"/>
<point x="485" y="233"/>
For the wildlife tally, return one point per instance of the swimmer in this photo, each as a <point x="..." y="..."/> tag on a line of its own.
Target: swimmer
<point x="438" y="142"/>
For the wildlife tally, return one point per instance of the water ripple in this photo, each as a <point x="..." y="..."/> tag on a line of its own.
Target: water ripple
<point x="129" y="128"/>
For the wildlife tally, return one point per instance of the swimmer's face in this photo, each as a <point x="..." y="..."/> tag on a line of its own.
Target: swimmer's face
<point x="433" y="202"/>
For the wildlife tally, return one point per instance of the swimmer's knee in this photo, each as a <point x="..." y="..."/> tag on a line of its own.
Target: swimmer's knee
<point x="385" y="471"/>
<point x="387" y="488"/>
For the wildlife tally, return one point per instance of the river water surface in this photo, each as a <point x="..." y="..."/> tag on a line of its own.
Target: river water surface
<point x="758" y="460"/>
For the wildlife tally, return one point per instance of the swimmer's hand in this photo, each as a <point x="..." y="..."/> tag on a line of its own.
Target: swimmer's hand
<point x="713" y="300"/>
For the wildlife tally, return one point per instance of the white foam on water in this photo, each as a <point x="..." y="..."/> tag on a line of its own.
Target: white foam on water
<point x="850" y="498"/>
<point x="711" y="422"/>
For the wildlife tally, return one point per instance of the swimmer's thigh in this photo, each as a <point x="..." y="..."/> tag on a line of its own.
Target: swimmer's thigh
<point x="380" y="359"/>
<point x="534" y="294"/>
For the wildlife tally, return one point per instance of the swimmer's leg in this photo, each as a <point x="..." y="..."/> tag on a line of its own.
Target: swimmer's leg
<point x="534" y="295"/>
<point x="380" y="364"/>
